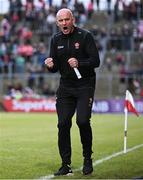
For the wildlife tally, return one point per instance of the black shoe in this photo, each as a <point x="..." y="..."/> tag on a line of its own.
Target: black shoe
<point x="87" y="166"/>
<point x="64" y="170"/>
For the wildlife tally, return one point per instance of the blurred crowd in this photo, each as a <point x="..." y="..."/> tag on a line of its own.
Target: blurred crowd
<point x="26" y="29"/>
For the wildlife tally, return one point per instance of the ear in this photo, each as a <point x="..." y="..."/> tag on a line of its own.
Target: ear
<point x="57" y="23"/>
<point x="73" y="19"/>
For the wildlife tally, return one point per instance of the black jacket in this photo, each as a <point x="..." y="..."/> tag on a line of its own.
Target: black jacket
<point x="79" y="44"/>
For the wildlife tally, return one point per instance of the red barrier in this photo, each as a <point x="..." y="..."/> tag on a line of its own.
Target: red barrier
<point x="30" y="105"/>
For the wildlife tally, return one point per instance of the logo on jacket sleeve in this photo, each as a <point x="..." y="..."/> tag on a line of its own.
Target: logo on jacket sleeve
<point x="76" y="45"/>
<point x="60" y="47"/>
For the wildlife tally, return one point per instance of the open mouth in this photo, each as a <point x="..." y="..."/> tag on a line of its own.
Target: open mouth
<point x="65" y="28"/>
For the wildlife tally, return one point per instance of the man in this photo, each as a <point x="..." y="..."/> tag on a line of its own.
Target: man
<point x="74" y="54"/>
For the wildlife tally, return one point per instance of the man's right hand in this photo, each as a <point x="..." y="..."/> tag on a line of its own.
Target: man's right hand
<point x="49" y="62"/>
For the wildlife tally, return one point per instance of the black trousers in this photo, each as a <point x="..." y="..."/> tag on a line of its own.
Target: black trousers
<point x="69" y="101"/>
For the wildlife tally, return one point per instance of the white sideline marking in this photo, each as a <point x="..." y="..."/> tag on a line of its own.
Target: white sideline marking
<point x="95" y="163"/>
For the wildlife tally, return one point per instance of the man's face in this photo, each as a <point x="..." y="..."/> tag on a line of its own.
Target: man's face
<point x="65" y="21"/>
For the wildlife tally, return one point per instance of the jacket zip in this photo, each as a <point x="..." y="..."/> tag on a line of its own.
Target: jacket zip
<point x="68" y="46"/>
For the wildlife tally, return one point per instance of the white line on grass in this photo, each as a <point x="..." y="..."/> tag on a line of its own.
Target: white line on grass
<point x="95" y="163"/>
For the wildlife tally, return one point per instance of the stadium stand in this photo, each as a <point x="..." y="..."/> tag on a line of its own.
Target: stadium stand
<point x="25" y="33"/>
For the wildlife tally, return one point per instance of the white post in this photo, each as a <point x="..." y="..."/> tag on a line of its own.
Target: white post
<point x="125" y="130"/>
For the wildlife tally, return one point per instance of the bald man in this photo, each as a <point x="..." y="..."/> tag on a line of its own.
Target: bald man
<point x="74" y="54"/>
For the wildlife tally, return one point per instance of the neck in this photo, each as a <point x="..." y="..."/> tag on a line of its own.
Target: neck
<point x="72" y="29"/>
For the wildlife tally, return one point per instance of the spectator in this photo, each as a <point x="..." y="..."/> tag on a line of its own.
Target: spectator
<point x="126" y="35"/>
<point x="90" y="9"/>
<point x="141" y="46"/>
<point x="109" y="64"/>
<point x="46" y="91"/>
<point x="51" y="22"/>
<point x="140" y="28"/>
<point x="5" y="28"/>
<point x="97" y="4"/>
<point x="109" y="7"/>
<point x="120" y="59"/>
<point x="19" y="64"/>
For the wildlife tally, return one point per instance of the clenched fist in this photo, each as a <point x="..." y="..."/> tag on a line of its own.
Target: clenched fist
<point x="73" y="62"/>
<point x="49" y="62"/>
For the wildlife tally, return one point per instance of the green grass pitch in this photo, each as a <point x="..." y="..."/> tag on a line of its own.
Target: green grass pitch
<point x="28" y="146"/>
